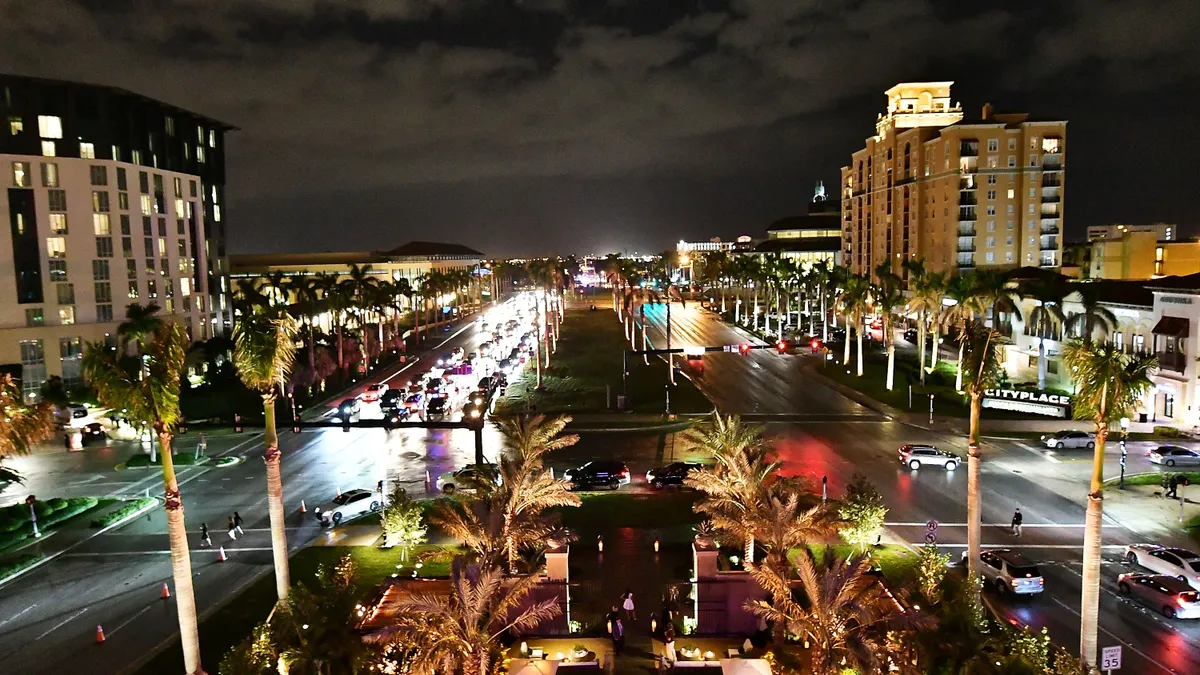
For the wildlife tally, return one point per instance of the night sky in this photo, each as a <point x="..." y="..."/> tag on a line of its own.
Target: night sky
<point x="536" y="126"/>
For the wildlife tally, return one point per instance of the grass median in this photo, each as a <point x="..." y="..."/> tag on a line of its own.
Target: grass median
<point x="587" y="369"/>
<point x="16" y="526"/>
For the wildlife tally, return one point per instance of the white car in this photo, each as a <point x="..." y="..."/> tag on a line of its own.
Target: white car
<point x="1070" y="439"/>
<point x="1172" y="455"/>
<point x="1009" y="572"/>
<point x="917" y="456"/>
<point x="349" y="504"/>
<point x="1176" y="562"/>
<point x="464" y="479"/>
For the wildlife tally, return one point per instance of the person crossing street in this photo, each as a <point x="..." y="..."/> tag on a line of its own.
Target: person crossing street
<point x="205" y="542"/>
<point x="232" y="528"/>
<point x="237" y="522"/>
<point x="1017" y="519"/>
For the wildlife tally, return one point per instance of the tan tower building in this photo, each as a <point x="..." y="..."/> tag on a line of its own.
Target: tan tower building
<point x="958" y="194"/>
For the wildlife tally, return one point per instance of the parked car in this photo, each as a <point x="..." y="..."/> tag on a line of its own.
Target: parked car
<point x="92" y="434"/>
<point x="348" y="410"/>
<point x="1175" y="599"/>
<point x="373" y="393"/>
<point x="395" y="415"/>
<point x="917" y="456"/>
<point x="1070" y="439"/>
<point x="671" y="474"/>
<point x="349" y="504"/>
<point x="1009" y="571"/>
<point x="910" y="334"/>
<point x="1177" y="562"/>
<point x="467" y="478"/>
<point x="1173" y="455"/>
<point x="391" y="400"/>
<point x="601" y="473"/>
<point x="436" y="407"/>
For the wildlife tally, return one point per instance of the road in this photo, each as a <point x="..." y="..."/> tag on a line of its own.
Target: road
<point x="48" y="617"/>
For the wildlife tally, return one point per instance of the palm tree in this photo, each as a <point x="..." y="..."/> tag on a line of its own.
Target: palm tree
<point x="304" y="288"/>
<point x="844" y="612"/>
<point x="855" y="300"/>
<point x="316" y="628"/>
<point x="981" y="368"/>
<point x="887" y="298"/>
<point x="734" y="488"/>
<point x="460" y="633"/>
<point x="998" y="295"/>
<point x="264" y="352"/>
<point x="1110" y="383"/>
<point x="146" y="386"/>
<point x="1046" y="318"/>
<point x="22" y="425"/>
<point x="1095" y="321"/>
<point x="926" y="289"/>
<point x="968" y="303"/>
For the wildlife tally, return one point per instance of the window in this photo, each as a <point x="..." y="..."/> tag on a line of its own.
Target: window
<point x="149" y="261"/>
<point x="177" y="183"/>
<point x="104" y="247"/>
<point x="179" y="207"/>
<point x="147" y="227"/>
<point x="15" y="126"/>
<point x="1031" y="211"/>
<point x="991" y="194"/>
<point x="87" y="150"/>
<point x="131" y="268"/>
<point x="192" y="188"/>
<point x="103" y="292"/>
<point x="56" y="247"/>
<point x="182" y="248"/>
<point x="127" y="247"/>
<point x="991" y="242"/>
<point x="20" y="173"/>
<point x="34" y="317"/>
<point x="162" y="227"/>
<point x="181" y="229"/>
<point x="99" y="175"/>
<point x="33" y="368"/>
<point x="136" y="156"/>
<point x="1051" y="145"/>
<point x="200" y="153"/>
<point x="125" y="225"/>
<point x="1013" y="193"/>
<point x="991" y="209"/>
<point x="49" y="126"/>
<point x="100" y="270"/>
<point x="133" y="290"/>
<point x="162" y="246"/>
<point x="116" y="154"/>
<point x="212" y="138"/>
<point x="1011" y="208"/>
<point x="144" y="181"/>
<point x="49" y="174"/>
<point x="151" y="289"/>
<point x="991" y="257"/>
<point x="1139" y="343"/>
<point x="48" y="149"/>
<point x="100" y="202"/>
<point x="169" y="123"/>
<point x="168" y="288"/>
<point x="58" y="269"/>
<point x="1010" y="241"/>
<point x="991" y="162"/>
<point x="1012" y="143"/>
<point x="991" y="226"/>
<point x="185" y="287"/>
<point x="1008" y="257"/>
<point x="1033" y="142"/>
<point x="993" y="145"/>
<point x="66" y="316"/>
<point x="121" y="183"/>
<point x="1012" y="162"/>
<point x="147" y="207"/>
<point x="66" y="293"/>
<point x="123" y="201"/>
<point x="1118" y="338"/>
<point x="1010" y="226"/>
<point x="184" y="267"/>
<point x="1033" y="160"/>
<point x="104" y="313"/>
<point x="101" y="224"/>
<point x="217" y="212"/>
<point x="58" y="223"/>
<point x="991" y="179"/>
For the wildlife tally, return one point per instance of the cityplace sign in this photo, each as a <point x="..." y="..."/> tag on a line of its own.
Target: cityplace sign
<point x="1031" y="402"/>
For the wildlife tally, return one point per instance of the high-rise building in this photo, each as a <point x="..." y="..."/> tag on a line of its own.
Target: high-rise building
<point x="109" y="198"/>
<point x="959" y="194"/>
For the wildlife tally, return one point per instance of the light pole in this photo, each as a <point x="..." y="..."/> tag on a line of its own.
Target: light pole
<point x="1124" y="436"/>
<point x="931" y="408"/>
<point x="31" y="500"/>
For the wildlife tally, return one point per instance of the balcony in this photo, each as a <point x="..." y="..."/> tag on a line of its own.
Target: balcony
<point x="1051" y="199"/>
<point x="966" y="183"/>
<point x="1049" y="212"/>
<point x="966" y="230"/>
<point x="966" y="248"/>
<point x="1171" y="361"/>
<point x="966" y="213"/>
<point x="1050" y="245"/>
<point x="967" y="198"/>
<point x="1051" y="180"/>
<point x="969" y="149"/>
<point x="1051" y="162"/>
<point x="1049" y="229"/>
<point x="1048" y="262"/>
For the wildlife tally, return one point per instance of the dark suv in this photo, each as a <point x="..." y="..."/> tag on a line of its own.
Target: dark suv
<point x="391" y="400"/>
<point x="604" y="473"/>
<point x="671" y="474"/>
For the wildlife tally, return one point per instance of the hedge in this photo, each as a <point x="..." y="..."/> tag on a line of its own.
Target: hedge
<point x="129" y="509"/>
<point x="183" y="458"/>
<point x="10" y="568"/>
<point x="14" y="531"/>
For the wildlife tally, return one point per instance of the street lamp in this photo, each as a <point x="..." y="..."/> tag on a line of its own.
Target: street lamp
<point x="1124" y="436"/>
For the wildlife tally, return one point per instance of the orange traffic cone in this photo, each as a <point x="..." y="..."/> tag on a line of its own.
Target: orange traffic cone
<point x="99" y="634"/>
<point x="221" y="555"/>
<point x="302" y="507"/>
<point x="166" y="592"/>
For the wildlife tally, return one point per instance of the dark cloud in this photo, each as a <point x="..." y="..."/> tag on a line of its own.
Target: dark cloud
<point x="529" y="125"/>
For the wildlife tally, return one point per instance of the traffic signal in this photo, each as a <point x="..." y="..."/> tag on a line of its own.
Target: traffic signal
<point x="782" y="346"/>
<point x="744" y="348"/>
<point x="816" y="346"/>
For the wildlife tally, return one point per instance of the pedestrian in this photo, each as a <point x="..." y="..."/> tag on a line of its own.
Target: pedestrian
<point x="1016" y="523"/>
<point x="669" y="657"/>
<point x="232" y="529"/>
<point x="205" y="542"/>
<point x="237" y="522"/>
<point x="627" y="605"/>
<point x="201" y="446"/>
<point x="1172" y="487"/>
<point x="618" y="636"/>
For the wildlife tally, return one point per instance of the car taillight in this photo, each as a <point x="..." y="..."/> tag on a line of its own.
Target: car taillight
<point x="625" y="473"/>
<point x="1014" y="583"/>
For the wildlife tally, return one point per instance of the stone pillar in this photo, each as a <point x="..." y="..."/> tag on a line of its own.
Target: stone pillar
<point x="704" y="559"/>
<point x="556" y="563"/>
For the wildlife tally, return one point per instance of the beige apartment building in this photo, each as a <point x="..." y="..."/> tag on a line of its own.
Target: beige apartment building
<point x="959" y="194"/>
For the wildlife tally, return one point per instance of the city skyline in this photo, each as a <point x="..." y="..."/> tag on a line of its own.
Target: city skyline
<point x="553" y="126"/>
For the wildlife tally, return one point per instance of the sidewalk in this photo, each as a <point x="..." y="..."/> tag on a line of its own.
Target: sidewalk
<point x="1142" y="509"/>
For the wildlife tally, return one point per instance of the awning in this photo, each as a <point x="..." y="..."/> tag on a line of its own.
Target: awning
<point x="1175" y="326"/>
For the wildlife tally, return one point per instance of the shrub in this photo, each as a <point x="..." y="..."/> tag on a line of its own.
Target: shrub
<point x="1167" y="432"/>
<point x="57" y="503"/>
<point x="71" y="508"/>
<point x="43" y="510"/>
<point x="12" y="567"/>
<point x="863" y="511"/>
<point x="125" y="511"/>
<point x="18" y="512"/>
<point x="9" y="525"/>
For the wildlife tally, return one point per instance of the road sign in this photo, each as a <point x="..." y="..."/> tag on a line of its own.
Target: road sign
<point x="1110" y="658"/>
<point x="931" y="526"/>
<point x="931" y="537"/>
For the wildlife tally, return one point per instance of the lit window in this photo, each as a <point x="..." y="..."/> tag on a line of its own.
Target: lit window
<point x="116" y="153"/>
<point x="217" y="212"/>
<point x="49" y="174"/>
<point x="66" y="315"/>
<point x="993" y="145"/>
<point x="162" y="246"/>
<point x="200" y="135"/>
<point x="137" y="156"/>
<point x="179" y="207"/>
<point x="212" y="138"/>
<point x="1033" y="142"/>
<point x="48" y="149"/>
<point x="20" y="171"/>
<point x="58" y="223"/>
<point x="56" y="247"/>
<point x="185" y="287"/>
<point x="49" y="126"/>
<point x="34" y="317"/>
<point x="87" y="151"/>
<point x="101" y="224"/>
<point x="100" y="202"/>
<point x="1013" y="193"/>
<point x="1051" y="144"/>
<point x="15" y="125"/>
<point x="147" y="205"/>
<point x="170" y="126"/>
<point x="991" y="162"/>
<point x="133" y="290"/>
<point x="200" y="153"/>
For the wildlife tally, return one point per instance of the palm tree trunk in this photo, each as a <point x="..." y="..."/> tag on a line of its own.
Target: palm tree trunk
<point x="181" y="559"/>
<point x="891" y="352"/>
<point x="341" y="357"/>
<point x="749" y="552"/>
<point x="1089" y="610"/>
<point x="824" y="319"/>
<point x="859" y="325"/>
<point x="921" y="338"/>
<point x="1041" y="364"/>
<point x="974" y="499"/>
<point x="958" y="375"/>
<point x="271" y="457"/>
<point x="846" y="355"/>
<point x="935" y="350"/>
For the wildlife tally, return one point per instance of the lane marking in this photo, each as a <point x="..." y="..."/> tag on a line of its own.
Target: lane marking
<point x="60" y="624"/>
<point x="1044" y="455"/>
<point x="1109" y="633"/>
<point x="130" y="620"/>
<point x="14" y="616"/>
<point x="1076" y="547"/>
<point x="195" y="551"/>
<point x="410" y="365"/>
<point x="1024" y="526"/>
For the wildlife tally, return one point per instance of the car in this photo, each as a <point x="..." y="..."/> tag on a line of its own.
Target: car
<point x="671" y="474"/>
<point x="436" y="407"/>
<point x="467" y="478"/>
<point x="917" y="456"/>
<point x="391" y="400"/>
<point x="434" y="385"/>
<point x="1070" y="439"/>
<point x="374" y="392"/>
<point x="348" y="410"/>
<point x="393" y="416"/>
<point x="1173" y="455"/>
<point x="93" y="433"/>
<point x="1173" y="598"/>
<point x="1009" y="571"/>
<point x="605" y="473"/>
<point x="1177" y="562"/>
<point x="911" y="335"/>
<point x="452" y="359"/>
<point x="347" y="505"/>
<point x="415" y="401"/>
